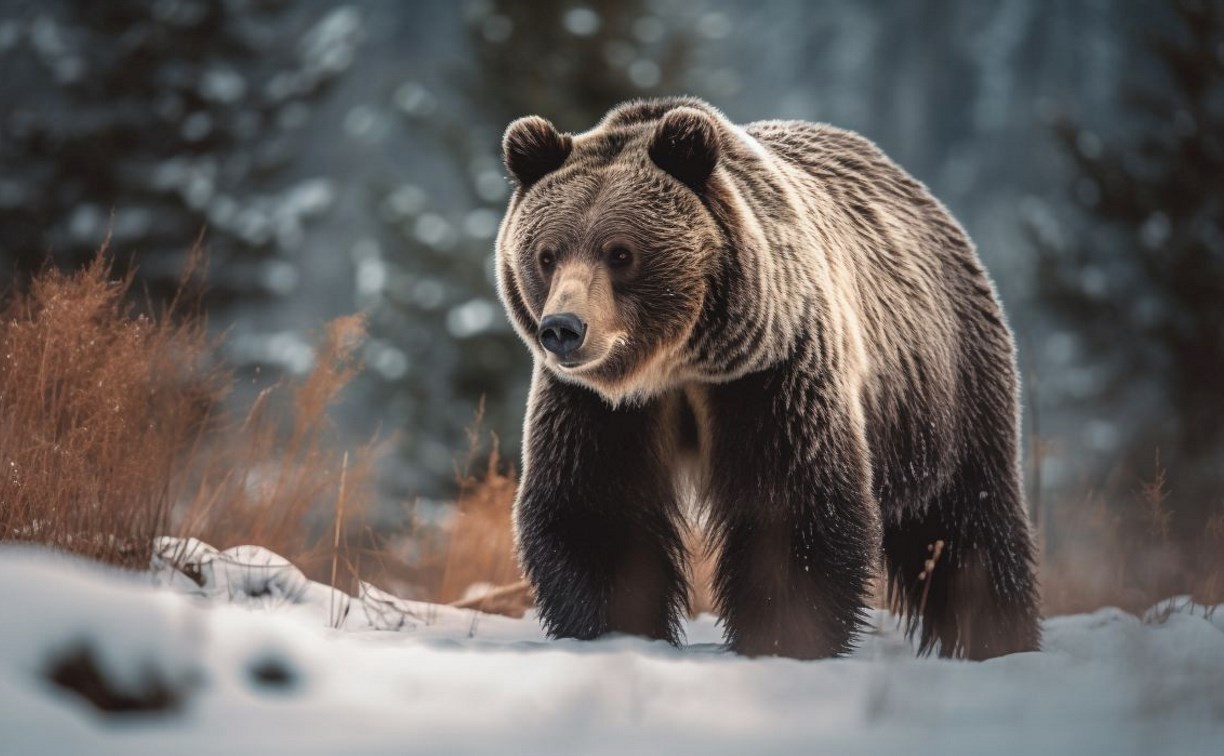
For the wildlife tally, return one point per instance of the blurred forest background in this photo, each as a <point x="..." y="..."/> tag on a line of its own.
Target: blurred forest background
<point x="343" y="157"/>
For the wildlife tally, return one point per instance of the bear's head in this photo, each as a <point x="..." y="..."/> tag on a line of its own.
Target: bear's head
<point x="608" y="246"/>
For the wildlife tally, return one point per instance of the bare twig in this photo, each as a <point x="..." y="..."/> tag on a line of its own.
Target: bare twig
<point x="336" y="541"/>
<point x="498" y="592"/>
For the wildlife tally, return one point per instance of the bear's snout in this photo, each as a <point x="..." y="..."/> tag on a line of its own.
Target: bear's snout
<point x="562" y="334"/>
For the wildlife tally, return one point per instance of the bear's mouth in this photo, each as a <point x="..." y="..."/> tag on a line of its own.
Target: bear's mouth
<point x="585" y="361"/>
<point x="577" y="365"/>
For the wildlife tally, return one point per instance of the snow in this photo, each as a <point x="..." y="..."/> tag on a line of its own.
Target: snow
<point x="259" y="657"/>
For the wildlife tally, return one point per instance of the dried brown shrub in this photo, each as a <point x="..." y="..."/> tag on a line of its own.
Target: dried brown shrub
<point x="97" y="407"/>
<point x="113" y="432"/>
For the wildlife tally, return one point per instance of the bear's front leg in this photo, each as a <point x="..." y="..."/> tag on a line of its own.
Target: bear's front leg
<point x="596" y="516"/>
<point x="791" y="511"/>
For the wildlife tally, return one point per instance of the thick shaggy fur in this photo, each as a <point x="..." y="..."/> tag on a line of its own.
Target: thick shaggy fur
<point x="805" y="340"/>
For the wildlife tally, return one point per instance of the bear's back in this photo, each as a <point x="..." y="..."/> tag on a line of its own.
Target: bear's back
<point x="912" y="262"/>
<point x="924" y="306"/>
<point x="859" y="182"/>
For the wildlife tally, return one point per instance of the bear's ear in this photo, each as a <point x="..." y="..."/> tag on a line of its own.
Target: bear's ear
<point x="533" y="148"/>
<point x="685" y="144"/>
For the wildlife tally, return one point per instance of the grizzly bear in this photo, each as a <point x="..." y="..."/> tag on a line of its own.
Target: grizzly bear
<point x="777" y="323"/>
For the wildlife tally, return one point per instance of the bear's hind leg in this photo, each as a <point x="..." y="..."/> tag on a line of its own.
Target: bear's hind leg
<point x="962" y="569"/>
<point x="791" y="514"/>
<point x="790" y="588"/>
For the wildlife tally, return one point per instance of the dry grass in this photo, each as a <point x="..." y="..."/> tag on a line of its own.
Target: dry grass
<point x="114" y="430"/>
<point x="1122" y="552"/>
<point x="292" y="489"/>
<point x="478" y="557"/>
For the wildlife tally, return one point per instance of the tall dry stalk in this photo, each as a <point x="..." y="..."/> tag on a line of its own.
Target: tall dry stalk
<point x="480" y="545"/>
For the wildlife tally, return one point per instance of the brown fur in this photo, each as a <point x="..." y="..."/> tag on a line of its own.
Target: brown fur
<point x="806" y="335"/>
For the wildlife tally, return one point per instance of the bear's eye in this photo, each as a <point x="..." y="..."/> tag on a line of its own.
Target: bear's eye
<point x="548" y="259"/>
<point x="619" y="257"/>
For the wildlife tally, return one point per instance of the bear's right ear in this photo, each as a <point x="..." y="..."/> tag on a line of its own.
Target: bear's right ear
<point x="533" y="148"/>
<point x="685" y="144"/>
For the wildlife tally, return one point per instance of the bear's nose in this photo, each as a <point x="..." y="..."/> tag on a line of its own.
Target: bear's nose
<point x="562" y="334"/>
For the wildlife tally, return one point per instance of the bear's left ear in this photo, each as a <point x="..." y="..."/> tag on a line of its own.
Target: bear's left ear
<point x="685" y="144"/>
<point x="533" y="148"/>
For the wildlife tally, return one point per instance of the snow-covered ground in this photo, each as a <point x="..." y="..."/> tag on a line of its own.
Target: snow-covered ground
<point x="246" y="656"/>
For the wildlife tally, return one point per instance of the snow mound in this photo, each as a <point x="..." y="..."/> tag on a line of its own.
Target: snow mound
<point x="236" y="649"/>
<point x="256" y="578"/>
